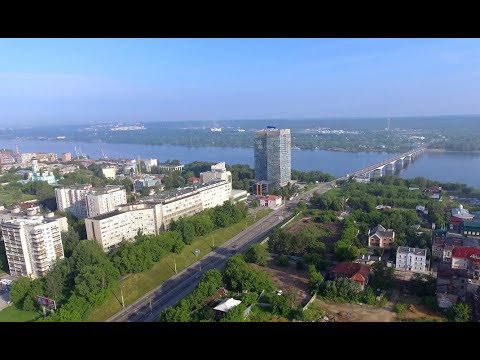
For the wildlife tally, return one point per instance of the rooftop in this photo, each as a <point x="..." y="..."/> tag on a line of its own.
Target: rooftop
<point x="472" y="224"/>
<point x="167" y="196"/>
<point x="227" y="305"/>
<point x="351" y="269"/>
<point x="464" y="252"/>
<point x="379" y="230"/>
<point x="106" y="189"/>
<point x="416" y="251"/>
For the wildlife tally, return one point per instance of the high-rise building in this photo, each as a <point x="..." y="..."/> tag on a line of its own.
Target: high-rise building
<point x="272" y="152"/>
<point x="33" y="244"/>
<point x="104" y="200"/>
<point x="73" y="199"/>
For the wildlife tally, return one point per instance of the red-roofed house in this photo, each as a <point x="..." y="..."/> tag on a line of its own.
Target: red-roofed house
<point x="355" y="271"/>
<point x="272" y="201"/>
<point x="463" y="256"/>
<point x="193" y="180"/>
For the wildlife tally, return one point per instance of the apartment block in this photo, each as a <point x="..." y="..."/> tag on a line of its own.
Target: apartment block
<point x="33" y="244"/>
<point x="73" y="199"/>
<point x="104" y="200"/>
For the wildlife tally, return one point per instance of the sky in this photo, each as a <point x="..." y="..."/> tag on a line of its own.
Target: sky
<point x="49" y="81"/>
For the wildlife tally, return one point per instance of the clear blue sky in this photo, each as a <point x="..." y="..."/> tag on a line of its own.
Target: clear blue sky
<point x="97" y="80"/>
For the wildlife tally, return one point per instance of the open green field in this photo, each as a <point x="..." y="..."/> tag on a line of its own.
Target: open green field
<point x="12" y="314"/>
<point x="9" y="197"/>
<point x="137" y="285"/>
<point x="335" y="191"/>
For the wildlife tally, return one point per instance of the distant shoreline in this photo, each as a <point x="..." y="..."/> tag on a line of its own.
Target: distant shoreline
<point x="451" y="151"/>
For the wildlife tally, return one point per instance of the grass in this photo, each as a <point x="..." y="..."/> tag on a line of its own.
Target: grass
<point x="9" y="197"/>
<point x="335" y="191"/>
<point x="137" y="285"/>
<point x="12" y="314"/>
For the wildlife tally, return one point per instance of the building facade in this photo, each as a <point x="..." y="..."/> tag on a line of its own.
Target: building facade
<point x="271" y="201"/>
<point x="104" y="200"/>
<point x="122" y="224"/>
<point x="272" y="154"/>
<point x="110" y="172"/>
<point x="66" y="157"/>
<point x="411" y="259"/>
<point x="217" y="172"/>
<point x="381" y="237"/>
<point x="153" y="215"/>
<point x="73" y="199"/>
<point x="32" y="244"/>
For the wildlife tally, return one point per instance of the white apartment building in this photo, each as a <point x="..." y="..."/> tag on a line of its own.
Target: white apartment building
<point x="411" y="259"/>
<point x="217" y="172"/>
<point x="110" y="172"/>
<point x="149" y="163"/>
<point x="33" y="244"/>
<point x="73" y="199"/>
<point x="18" y="213"/>
<point x="122" y="224"/>
<point x="154" y="214"/>
<point x="104" y="200"/>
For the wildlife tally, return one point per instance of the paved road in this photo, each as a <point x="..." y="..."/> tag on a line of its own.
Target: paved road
<point x="149" y="307"/>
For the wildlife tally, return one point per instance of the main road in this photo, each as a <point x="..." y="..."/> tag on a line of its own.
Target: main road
<point x="149" y="307"/>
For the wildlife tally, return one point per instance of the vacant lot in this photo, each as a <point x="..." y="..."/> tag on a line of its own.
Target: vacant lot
<point x="417" y="310"/>
<point x="346" y="312"/>
<point x="288" y="279"/>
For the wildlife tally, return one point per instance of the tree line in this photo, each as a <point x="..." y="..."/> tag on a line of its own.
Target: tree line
<point x="83" y="279"/>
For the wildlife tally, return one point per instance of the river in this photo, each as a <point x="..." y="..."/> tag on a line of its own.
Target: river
<point x="444" y="167"/>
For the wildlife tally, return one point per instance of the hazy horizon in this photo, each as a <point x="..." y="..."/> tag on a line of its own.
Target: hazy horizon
<point x="81" y="81"/>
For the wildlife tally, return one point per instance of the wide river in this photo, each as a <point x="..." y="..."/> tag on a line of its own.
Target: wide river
<point x="445" y="167"/>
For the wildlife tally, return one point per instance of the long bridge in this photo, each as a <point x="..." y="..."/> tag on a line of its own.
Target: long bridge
<point x="399" y="161"/>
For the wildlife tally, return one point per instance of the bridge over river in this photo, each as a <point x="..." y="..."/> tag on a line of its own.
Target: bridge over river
<point x="390" y="165"/>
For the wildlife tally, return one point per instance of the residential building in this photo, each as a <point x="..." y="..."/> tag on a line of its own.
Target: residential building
<point x="169" y="168"/>
<point x="471" y="228"/>
<point x="149" y="163"/>
<point x="26" y="210"/>
<point x="124" y="223"/>
<point x="46" y="157"/>
<point x="110" y="172"/>
<point x="154" y="214"/>
<point x="271" y="201"/>
<point x="237" y="196"/>
<point x="411" y="259"/>
<point x="368" y="259"/>
<point x="458" y="216"/>
<point x="104" y="200"/>
<point x="442" y="247"/>
<point x="6" y="157"/>
<point x="25" y="158"/>
<point x="381" y="237"/>
<point x="66" y="157"/>
<point x="272" y="153"/>
<point x="193" y="180"/>
<point x="421" y="210"/>
<point x="73" y="199"/>
<point x="147" y="181"/>
<point x="452" y="285"/>
<point x="466" y="258"/>
<point x="130" y="167"/>
<point x="32" y="244"/>
<point x="359" y="273"/>
<point x="217" y="172"/>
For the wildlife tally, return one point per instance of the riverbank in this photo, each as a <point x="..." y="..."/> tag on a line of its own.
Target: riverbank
<point x="441" y="151"/>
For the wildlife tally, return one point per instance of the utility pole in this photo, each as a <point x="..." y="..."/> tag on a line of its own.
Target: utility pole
<point x="213" y="242"/>
<point x="121" y="292"/>
<point x="175" y="265"/>
<point x="151" y="310"/>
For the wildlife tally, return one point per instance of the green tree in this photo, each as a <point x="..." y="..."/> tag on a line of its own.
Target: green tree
<point x="460" y="312"/>
<point x="235" y="314"/>
<point x="315" y="278"/>
<point x="70" y="241"/>
<point x="19" y="290"/>
<point x="257" y="254"/>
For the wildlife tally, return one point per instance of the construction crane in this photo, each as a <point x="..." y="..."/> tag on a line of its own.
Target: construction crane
<point x="76" y="152"/>
<point x="104" y="156"/>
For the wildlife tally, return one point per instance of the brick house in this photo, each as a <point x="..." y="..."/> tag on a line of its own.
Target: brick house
<point x="354" y="271"/>
<point x="381" y="237"/>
